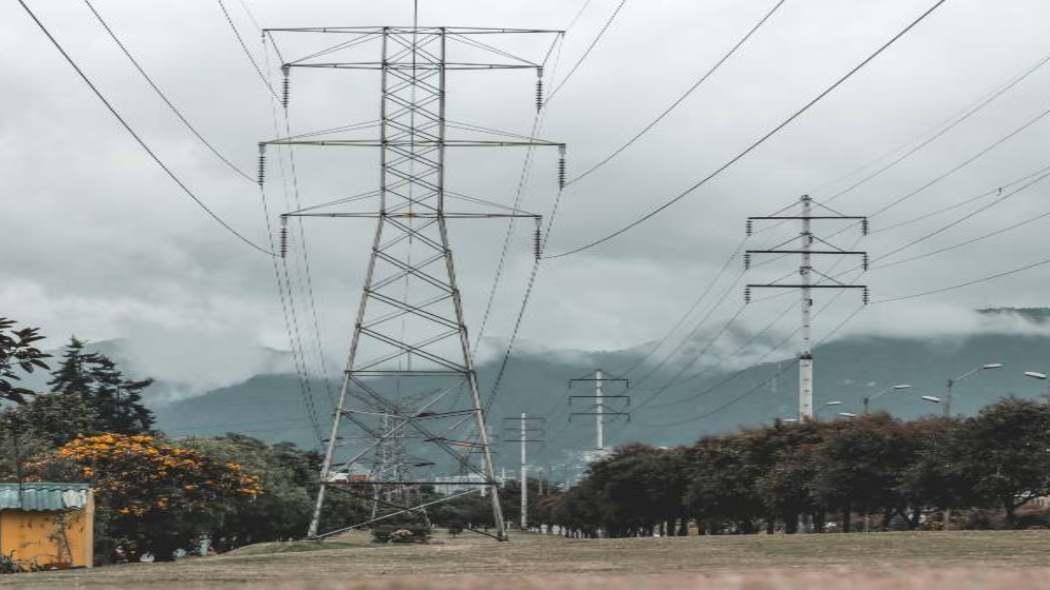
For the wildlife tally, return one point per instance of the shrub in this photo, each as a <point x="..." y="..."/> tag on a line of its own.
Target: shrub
<point x="8" y="565"/>
<point x="401" y="533"/>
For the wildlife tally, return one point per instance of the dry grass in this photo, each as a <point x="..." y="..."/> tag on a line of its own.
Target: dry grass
<point x="884" y="561"/>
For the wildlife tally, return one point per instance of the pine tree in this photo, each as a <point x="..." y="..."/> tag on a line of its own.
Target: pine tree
<point x="115" y="401"/>
<point x="71" y="376"/>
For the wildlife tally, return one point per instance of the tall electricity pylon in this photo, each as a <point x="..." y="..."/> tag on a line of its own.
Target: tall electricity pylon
<point x="806" y="284"/>
<point x="409" y="365"/>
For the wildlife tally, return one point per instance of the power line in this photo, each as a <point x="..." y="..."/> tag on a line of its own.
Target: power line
<point x="247" y="53"/>
<point x="958" y="120"/>
<point x="757" y="143"/>
<point x="579" y="14"/>
<point x="178" y="113"/>
<point x="977" y="281"/>
<point x="778" y="346"/>
<point x="983" y="152"/>
<point x="682" y="98"/>
<point x="586" y="53"/>
<point x="692" y="334"/>
<point x="962" y="219"/>
<point x="138" y="139"/>
<point x="735" y="400"/>
<point x="537" y="126"/>
<point x="696" y="303"/>
<point x="964" y="164"/>
<point x="732" y="377"/>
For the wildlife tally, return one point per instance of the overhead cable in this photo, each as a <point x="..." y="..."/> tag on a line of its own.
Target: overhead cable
<point x="753" y="146"/>
<point x="696" y="85"/>
<point x="138" y="139"/>
<point x="586" y="53"/>
<point x="175" y="110"/>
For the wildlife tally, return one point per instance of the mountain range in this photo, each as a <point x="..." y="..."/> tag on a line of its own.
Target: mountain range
<point x="273" y="407"/>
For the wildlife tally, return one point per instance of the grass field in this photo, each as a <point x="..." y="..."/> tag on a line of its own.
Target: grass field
<point x="883" y="561"/>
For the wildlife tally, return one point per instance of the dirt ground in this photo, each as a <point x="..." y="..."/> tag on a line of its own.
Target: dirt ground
<point x="878" y="561"/>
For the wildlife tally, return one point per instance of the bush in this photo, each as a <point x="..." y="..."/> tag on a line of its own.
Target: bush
<point x="400" y="533"/>
<point x="8" y="565"/>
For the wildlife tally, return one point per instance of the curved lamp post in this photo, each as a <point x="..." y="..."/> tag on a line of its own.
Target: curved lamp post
<point x="869" y="399"/>
<point x="1041" y="377"/>
<point x="966" y="375"/>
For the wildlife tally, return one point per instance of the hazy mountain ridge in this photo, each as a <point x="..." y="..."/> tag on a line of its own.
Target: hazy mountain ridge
<point x="272" y="407"/>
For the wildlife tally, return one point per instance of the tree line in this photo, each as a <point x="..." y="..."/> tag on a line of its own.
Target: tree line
<point x="985" y="470"/>
<point x="153" y="494"/>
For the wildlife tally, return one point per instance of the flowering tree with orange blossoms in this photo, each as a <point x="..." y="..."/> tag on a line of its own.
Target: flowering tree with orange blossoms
<point x="155" y="496"/>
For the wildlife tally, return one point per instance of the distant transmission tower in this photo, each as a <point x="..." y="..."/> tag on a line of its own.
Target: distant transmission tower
<point x="601" y="405"/>
<point x="409" y="366"/>
<point x="806" y="283"/>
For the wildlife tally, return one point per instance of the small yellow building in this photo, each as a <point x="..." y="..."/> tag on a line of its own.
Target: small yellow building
<point x="48" y="525"/>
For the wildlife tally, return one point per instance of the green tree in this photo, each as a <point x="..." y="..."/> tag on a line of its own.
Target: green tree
<point x="54" y="418"/>
<point x="18" y="353"/>
<point x="721" y="492"/>
<point x="858" y="468"/>
<point x="115" y="401"/>
<point x="289" y="477"/>
<point x="1006" y="454"/>
<point x="72" y="375"/>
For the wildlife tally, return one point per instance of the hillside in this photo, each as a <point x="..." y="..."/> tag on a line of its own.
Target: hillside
<point x="271" y="407"/>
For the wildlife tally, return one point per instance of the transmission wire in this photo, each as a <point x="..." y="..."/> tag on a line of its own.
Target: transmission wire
<point x="696" y="85"/>
<point x="138" y="139"/>
<point x="755" y="144"/>
<point x="174" y="109"/>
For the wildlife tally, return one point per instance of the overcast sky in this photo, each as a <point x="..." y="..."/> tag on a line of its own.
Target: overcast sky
<point x="98" y="242"/>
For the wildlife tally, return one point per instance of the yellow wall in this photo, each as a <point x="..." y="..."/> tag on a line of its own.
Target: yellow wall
<point x="36" y="537"/>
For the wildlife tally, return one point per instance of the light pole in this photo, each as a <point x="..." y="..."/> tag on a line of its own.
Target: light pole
<point x="868" y="400"/>
<point x="1041" y="377"/>
<point x="826" y="405"/>
<point x="966" y="375"/>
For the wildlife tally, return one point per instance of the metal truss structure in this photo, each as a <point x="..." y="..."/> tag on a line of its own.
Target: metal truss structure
<point x="409" y="378"/>
<point x="806" y="285"/>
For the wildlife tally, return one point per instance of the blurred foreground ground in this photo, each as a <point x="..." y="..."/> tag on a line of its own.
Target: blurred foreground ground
<point x="877" y="561"/>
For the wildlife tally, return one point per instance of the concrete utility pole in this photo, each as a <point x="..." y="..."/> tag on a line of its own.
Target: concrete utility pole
<point x="410" y="351"/>
<point x="529" y="430"/>
<point x="599" y="404"/>
<point x="524" y="476"/>
<point x="805" y="358"/>
<point x="599" y="415"/>
<point x="806" y="285"/>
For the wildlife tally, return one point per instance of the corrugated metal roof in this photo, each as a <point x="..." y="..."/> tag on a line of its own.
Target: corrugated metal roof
<point x="43" y="496"/>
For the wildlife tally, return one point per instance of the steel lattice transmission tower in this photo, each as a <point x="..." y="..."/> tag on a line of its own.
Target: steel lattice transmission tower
<point x="806" y="239"/>
<point x="409" y="367"/>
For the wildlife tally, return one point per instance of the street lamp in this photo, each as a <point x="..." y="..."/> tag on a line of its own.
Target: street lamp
<point x="847" y="414"/>
<point x="1041" y="377"/>
<point x="933" y="399"/>
<point x="868" y="400"/>
<point x="826" y="405"/>
<point x="966" y="375"/>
